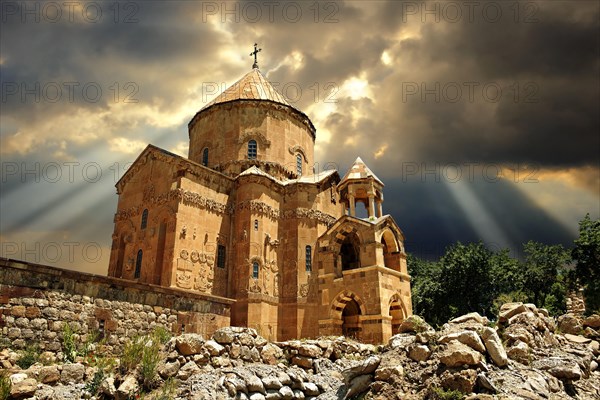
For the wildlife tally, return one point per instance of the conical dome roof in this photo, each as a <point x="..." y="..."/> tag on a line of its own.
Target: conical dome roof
<point x="252" y="86"/>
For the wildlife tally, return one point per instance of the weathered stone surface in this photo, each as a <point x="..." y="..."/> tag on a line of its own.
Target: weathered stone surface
<point x="457" y="354"/>
<point x="413" y="324"/>
<point x="508" y="310"/>
<point x="189" y="343"/>
<point x="593" y="321"/>
<point x="401" y="341"/>
<point x="569" y="323"/>
<point x="49" y="374"/>
<point x="463" y="381"/>
<point x="128" y="387"/>
<point x="304" y="362"/>
<point x="494" y="347"/>
<point x="310" y="350"/>
<point x="365" y="367"/>
<point x="519" y="352"/>
<point x="168" y="369"/>
<point x="188" y="370"/>
<point x="469" y="317"/>
<point x="286" y="393"/>
<point x="224" y="335"/>
<point x="469" y="338"/>
<point x="358" y="385"/>
<point x="577" y="339"/>
<point x="107" y="387"/>
<point x="271" y="382"/>
<point x="214" y="348"/>
<point x="419" y="352"/>
<point x="23" y="388"/>
<point x="387" y="373"/>
<point x="72" y="373"/>
<point x="271" y="354"/>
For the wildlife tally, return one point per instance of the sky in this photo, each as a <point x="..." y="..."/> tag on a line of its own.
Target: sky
<point x="482" y="118"/>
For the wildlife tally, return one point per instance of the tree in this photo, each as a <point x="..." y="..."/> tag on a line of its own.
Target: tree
<point x="586" y="254"/>
<point x="544" y="272"/>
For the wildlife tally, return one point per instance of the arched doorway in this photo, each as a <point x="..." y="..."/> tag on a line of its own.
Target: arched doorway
<point x="349" y="252"/>
<point x="397" y="313"/>
<point x="350" y="320"/>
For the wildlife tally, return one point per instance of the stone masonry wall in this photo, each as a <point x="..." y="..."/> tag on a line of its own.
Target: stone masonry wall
<point x="36" y="301"/>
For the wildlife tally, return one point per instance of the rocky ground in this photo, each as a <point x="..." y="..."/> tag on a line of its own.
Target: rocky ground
<point x="526" y="355"/>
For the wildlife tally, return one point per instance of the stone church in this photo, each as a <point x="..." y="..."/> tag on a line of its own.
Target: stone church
<point x="249" y="217"/>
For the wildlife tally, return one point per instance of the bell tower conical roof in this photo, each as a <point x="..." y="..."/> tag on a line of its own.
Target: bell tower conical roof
<point x="358" y="171"/>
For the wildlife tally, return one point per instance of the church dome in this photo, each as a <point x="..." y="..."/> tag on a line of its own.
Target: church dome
<point x="251" y="123"/>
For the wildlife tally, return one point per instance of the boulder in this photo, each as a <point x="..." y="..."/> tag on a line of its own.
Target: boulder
<point x="456" y="354"/>
<point x="189" y="343"/>
<point x="107" y="387"/>
<point x="565" y="369"/>
<point x="190" y="368"/>
<point x="520" y="352"/>
<point x="304" y="362"/>
<point x="72" y="373"/>
<point x="365" y="367"/>
<point x="401" y="341"/>
<point x="224" y="335"/>
<point x="387" y="373"/>
<point x="169" y="369"/>
<point x="414" y="324"/>
<point x="23" y="388"/>
<point x="310" y="350"/>
<point x="128" y="388"/>
<point x="593" y="321"/>
<point x="463" y="381"/>
<point x="270" y="354"/>
<point x="508" y="310"/>
<point x="214" y="348"/>
<point x="569" y="323"/>
<point x="419" y="352"/>
<point x="358" y="385"/>
<point x="577" y="339"/>
<point x="469" y="338"/>
<point x="271" y="382"/>
<point x="494" y="347"/>
<point x="309" y="389"/>
<point x="470" y="317"/>
<point x="49" y="374"/>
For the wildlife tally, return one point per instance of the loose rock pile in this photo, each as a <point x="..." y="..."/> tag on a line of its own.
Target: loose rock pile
<point x="524" y="356"/>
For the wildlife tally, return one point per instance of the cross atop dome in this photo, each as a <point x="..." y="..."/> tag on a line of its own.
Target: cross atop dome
<point x="254" y="53"/>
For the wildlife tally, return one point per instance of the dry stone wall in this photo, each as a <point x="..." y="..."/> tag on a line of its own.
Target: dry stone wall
<point x="37" y="301"/>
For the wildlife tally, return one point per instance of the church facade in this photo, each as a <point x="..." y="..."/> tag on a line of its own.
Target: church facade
<point x="247" y="217"/>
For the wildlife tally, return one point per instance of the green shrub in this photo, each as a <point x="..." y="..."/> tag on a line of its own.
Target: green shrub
<point x="5" y="386"/>
<point x="150" y="360"/>
<point x="69" y="343"/>
<point x="132" y="353"/>
<point x="29" y="356"/>
<point x="441" y="394"/>
<point x="168" y="391"/>
<point x="162" y="334"/>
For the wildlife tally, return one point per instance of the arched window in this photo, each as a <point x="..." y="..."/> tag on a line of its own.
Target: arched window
<point x="205" y="157"/>
<point x="299" y="164"/>
<point x="144" y="219"/>
<point x="221" y="256"/>
<point x="252" y="149"/>
<point x="255" y="268"/>
<point x="308" y="259"/>
<point x="138" y="265"/>
<point x="255" y="224"/>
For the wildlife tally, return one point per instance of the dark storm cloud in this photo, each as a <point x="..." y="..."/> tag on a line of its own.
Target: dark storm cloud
<point x="549" y="54"/>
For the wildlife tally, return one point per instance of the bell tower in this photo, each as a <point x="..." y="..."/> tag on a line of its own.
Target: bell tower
<point x="361" y="185"/>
